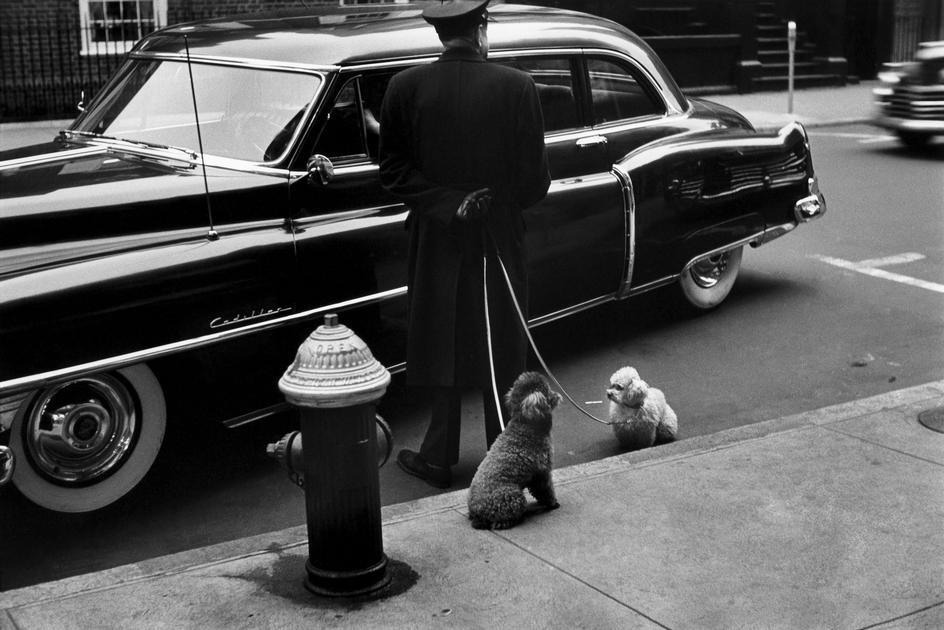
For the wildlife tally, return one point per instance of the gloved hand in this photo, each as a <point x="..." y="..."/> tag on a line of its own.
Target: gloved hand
<point x="475" y="206"/>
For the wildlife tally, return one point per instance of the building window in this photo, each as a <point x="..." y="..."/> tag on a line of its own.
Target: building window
<point x="111" y="27"/>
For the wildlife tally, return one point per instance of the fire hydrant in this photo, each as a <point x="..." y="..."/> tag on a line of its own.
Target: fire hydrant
<point x="335" y="382"/>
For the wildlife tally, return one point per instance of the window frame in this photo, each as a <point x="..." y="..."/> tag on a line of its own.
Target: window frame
<point x="574" y="61"/>
<point x="639" y="75"/>
<point x="117" y="47"/>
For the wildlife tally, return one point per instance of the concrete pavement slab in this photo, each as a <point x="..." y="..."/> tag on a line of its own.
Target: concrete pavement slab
<point x="900" y="430"/>
<point x="447" y="573"/>
<point x="929" y="619"/>
<point x="802" y="529"/>
<point x="828" y="519"/>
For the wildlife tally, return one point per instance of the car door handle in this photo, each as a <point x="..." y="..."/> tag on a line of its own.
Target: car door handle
<point x="591" y="141"/>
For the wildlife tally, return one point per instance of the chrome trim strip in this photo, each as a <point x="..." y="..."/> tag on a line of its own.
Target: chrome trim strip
<point x="629" y="229"/>
<point x="584" y="181"/>
<point x="243" y="62"/>
<point x="36" y="160"/>
<point x="256" y="415"/>
<point x="393" y="63"/>
<point x="566" y="312"/>
<point x="655" y="284"/>
<point x="42" y="379"/>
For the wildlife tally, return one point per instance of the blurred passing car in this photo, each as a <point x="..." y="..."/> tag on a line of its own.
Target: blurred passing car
<point x="153" y="273"/>
<point x="910" y="98"/>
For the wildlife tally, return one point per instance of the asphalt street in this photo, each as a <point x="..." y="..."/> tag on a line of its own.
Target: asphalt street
<point x="843" y="308"/>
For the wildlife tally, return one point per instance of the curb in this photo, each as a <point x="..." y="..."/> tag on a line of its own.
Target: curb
<point x="296" y="536"/>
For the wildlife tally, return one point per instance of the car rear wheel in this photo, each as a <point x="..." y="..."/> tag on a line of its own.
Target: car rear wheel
<point x="85" y="443"/>
<point x="708" y="281"/>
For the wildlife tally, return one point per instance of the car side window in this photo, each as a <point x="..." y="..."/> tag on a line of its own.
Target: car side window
<point x="352" y="130"/>
<point x="343" y="136"/>
<point x="554" y="79"/>
<point x="618" y="93"/>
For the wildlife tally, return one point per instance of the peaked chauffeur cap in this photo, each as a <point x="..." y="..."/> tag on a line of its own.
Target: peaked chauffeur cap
<point x="455" y="16"/>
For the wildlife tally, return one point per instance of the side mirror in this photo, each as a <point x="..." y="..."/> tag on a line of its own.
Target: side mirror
<point x="320" y="170"/>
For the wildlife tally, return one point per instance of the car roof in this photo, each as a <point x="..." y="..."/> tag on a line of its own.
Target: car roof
<point x="335" y="36"/>
<point x="329" y="37"/>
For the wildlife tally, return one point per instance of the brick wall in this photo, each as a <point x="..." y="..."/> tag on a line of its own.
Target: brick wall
<point x="42" y="70"/>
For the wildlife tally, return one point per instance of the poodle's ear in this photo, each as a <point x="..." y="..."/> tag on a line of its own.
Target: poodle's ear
<point x="554" y="399"/>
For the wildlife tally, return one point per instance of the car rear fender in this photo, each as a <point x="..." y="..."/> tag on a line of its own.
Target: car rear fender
<point x="696" y="193"/>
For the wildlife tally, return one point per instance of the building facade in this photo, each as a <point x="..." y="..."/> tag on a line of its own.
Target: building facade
<point x="54" y="53"/>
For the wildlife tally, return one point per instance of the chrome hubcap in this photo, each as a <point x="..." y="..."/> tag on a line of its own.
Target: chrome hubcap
<point x="707" y="272"/>
<point x="81" y="431"/>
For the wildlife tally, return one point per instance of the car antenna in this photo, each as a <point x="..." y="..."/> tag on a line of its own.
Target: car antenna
<point x="213" y="234"/>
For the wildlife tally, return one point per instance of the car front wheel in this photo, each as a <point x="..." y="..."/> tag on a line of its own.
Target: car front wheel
<point x="707" y="282"/>
<point x="85" y="443"/>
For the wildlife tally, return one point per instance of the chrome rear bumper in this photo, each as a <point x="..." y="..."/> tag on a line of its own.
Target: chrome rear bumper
<point x="812" y="206"/>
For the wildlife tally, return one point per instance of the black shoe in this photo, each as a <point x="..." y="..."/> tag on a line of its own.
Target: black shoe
<point x="415" y="464"/>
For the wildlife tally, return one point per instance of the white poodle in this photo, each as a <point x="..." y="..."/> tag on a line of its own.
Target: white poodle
<point x="640" y="415"/>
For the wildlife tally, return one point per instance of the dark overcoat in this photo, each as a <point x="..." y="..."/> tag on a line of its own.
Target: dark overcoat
<point x="448" y="128"/>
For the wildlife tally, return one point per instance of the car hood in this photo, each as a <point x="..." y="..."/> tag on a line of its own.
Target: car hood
<point x="61" y="201"/>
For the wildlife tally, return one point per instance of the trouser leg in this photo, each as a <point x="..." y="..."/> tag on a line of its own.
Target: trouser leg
<point x="441" y="443"/>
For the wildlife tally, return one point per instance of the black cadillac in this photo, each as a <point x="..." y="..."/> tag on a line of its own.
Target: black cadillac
<point x="171" y="249"/>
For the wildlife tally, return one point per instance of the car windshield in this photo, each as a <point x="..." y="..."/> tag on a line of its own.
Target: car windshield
<point x="245" y="113"/>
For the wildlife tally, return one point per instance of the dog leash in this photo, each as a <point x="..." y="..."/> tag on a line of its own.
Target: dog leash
<point x="524" y="326"/>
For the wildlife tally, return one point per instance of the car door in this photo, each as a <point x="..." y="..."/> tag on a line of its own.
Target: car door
<point x="350" y="237"/>
<point x="576" y="236"/>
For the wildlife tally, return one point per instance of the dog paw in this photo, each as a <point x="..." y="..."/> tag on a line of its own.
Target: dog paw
<point x="553" y="506"/>
<point x="504" y="524"/>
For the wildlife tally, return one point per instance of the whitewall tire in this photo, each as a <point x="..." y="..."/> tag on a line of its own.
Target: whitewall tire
<point x="707" y="282"/>
<point x="85" y="443"/>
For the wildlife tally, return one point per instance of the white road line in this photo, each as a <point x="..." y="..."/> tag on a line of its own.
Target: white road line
<point x="878" y="139"/>
<point x="863" y="138"/>
<point x="898" y="259"/>
<point x="880" y="273"/>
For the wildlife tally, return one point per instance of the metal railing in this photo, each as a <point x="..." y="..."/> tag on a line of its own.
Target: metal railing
<point x="48" y="63"/>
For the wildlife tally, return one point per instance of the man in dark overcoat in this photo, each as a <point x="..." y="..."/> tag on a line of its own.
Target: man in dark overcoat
<point x="462" y="144"/>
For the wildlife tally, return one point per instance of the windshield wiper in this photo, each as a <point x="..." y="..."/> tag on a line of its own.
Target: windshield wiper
<point x="67" y="133"/>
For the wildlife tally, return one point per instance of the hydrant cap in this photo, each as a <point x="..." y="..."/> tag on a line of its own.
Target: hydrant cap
<point x="333" y="368"/>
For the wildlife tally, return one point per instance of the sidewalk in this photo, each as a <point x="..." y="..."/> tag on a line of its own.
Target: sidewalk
<point x="814" y="107"/>
<point x="827" y="519"/>
<point x="766" y="110"/>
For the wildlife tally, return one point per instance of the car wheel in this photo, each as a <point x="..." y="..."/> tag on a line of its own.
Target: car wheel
<point x="913" y="140"/>
<point x="85" y="443"/>
<point x="708" y="281"/>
